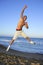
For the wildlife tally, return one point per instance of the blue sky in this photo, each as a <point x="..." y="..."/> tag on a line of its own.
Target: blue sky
<point x="10" y="13"/>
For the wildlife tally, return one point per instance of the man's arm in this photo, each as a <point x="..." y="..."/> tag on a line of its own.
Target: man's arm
<point x="26" y="25"/>
<point x="23" y="10"/>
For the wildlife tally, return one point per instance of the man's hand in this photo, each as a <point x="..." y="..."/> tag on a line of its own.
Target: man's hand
<point x="26" y="25"/>
<point x="25" y="6"/>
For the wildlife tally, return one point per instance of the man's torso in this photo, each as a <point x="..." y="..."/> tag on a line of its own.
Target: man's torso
<point x="21" y="23"/>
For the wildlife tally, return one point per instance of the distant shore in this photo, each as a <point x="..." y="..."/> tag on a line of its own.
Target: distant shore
<point x="13" y="57"/>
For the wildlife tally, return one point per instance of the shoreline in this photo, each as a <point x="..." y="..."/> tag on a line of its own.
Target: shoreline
<point x="17" y="57"/>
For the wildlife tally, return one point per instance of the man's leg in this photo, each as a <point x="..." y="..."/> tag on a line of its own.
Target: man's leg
<point x="25" y="36"/>
<point x="11" y="42"/>
<point x="30" y="41"/>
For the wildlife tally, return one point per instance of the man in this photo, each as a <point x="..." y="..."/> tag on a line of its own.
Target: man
<point x="19" y="27"/>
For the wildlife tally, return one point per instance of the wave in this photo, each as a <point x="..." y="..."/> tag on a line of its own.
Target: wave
<point x="5" y="40"/>
<point x="21" y="41"/>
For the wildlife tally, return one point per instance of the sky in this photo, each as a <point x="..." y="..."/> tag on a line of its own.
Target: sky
<point x="10" y="14"/>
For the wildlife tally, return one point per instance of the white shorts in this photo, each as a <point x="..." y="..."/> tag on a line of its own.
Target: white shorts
<point x="17" y="33"/>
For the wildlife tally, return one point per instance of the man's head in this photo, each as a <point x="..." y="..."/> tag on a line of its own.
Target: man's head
<point x="24" y="17"/>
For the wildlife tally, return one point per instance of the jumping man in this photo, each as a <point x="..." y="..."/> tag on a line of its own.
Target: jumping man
<point x="22" y="22"/>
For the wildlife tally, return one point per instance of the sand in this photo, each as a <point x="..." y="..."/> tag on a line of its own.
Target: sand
<point x="13" y="57"/>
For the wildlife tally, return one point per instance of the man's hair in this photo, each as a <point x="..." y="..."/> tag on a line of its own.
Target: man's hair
<point x="25" y="16"/>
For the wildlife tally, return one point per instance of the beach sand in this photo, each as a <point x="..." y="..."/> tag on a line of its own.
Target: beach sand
<point x="13" y="57"/>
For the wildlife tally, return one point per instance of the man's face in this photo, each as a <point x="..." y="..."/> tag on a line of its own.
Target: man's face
<point x="25" y="17"/>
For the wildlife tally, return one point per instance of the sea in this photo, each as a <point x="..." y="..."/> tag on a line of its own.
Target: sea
<point x="21" y="44"/>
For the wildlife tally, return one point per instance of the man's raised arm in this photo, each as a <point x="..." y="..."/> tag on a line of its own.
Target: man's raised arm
<point x="23" y="10"/>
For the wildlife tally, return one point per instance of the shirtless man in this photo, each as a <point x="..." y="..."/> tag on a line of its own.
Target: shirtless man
<point x="19" y="27"/>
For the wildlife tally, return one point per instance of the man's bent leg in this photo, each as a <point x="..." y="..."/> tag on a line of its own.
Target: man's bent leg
<point x="25" y="36"/>
<point x="30" y="41"/>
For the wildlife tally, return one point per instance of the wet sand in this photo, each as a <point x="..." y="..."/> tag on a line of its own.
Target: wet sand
<point x="13" y="57"/>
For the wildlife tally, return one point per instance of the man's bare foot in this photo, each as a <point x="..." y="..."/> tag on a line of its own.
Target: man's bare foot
<point x="8" y="48"/>
<point x="31" y="42"/>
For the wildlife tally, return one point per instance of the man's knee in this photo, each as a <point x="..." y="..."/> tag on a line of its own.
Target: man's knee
<point x="28" y="38"/>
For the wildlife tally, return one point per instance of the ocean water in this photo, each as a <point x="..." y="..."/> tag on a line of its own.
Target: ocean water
<point x="23" y="45"/>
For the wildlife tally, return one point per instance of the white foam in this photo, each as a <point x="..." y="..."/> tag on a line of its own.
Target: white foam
<point x="4" y="40"/>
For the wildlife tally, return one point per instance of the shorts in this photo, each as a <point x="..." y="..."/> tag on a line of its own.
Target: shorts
<point x="17" y="33"/>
